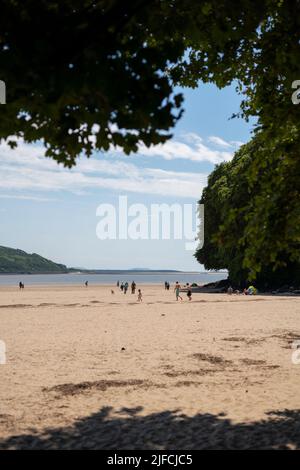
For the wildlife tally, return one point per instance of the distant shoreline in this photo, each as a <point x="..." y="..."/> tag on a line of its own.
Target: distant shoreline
<point x="112" y="272"/>
<point x="112" y="277"/>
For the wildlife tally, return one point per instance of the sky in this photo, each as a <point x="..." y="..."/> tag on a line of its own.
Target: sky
<point x="53" y="211"/>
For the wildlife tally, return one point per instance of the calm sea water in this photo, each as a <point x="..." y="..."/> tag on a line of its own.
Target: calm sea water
<point x="111" y="279"/>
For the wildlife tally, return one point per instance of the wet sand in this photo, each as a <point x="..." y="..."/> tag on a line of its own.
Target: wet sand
<point x="88" y="369"/>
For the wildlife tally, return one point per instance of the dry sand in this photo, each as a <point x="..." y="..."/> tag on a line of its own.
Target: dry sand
<point x="212" y="373"/>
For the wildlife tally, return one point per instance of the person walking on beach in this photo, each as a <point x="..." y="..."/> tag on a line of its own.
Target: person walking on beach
<point x="133" y="287"/>
<point x="86" y="283"/>
<point x="140" y="299"/>
<point x="122" y="287"/>
<point x="118" y="283"/>
<point x="125" y="287"/>
<point x="189" y="294"/>
<point x="177" y="291"/>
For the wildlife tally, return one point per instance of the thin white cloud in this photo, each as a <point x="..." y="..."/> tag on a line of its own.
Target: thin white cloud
<point x="27" y="169"/>
<point x="174" y="150"/>
<point x="218" y="141"/>
<point x="190" y="147"/>
<point x="237" y="143"/>
<point x="26" y="198"/>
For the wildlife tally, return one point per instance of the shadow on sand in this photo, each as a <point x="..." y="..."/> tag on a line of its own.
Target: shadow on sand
<point x="128" y="429"/>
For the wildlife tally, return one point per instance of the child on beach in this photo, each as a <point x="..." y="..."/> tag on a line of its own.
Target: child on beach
<point x="189" y="294"/>
<point x="140" y="296"/>
<point x="177" y="291"/>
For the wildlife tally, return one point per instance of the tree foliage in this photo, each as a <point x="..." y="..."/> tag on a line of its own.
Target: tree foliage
<point x="83" y="75"/>
<point x="18" y="261"/>
<point x="252" y="215"/>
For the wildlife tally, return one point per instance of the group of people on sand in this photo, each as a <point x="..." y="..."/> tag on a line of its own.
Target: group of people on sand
<point x="177" y="291"/>
<point x="251" y="290"/>
<point x="124" y="288"/>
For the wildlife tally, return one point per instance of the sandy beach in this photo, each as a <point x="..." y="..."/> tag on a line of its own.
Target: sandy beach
<point x="88" y="369"/>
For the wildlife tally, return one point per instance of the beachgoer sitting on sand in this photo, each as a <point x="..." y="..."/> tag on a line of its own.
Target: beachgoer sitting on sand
<point x="140" y="297"/>
<point x="252" y="290"/>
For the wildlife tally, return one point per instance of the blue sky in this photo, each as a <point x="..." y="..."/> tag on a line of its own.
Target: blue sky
<point x="50" y="210"/>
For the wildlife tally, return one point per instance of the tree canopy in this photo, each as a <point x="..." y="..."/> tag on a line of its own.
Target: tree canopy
<point x="252" y="215"/>
<point x="85" y="75"/>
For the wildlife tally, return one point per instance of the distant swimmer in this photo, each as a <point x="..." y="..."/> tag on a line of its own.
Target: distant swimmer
<point x="177" y="291"/>
<point x="140" y="296"/>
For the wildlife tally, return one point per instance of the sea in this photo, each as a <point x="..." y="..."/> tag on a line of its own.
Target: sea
<point x="139" y="277"/>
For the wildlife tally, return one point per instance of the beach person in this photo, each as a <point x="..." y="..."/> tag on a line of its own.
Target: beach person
<point x="252" y="290"/>
<point x="133" y="287"/>
<point x="118" y="283"/>
<point x="21" y="285"/>
<point x="86" y="283"/>
<point x="125" y="287"/>
<point x="140" y="299"/>
<point x="189" y="294"/>
<point x="122" y="287"/>
<point x="230" y="290"/>
<point x="177" y="291"/>
<point x="168" y="286"/>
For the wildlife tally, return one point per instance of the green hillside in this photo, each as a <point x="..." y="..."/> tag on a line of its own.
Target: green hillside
<point x="19" y="262"/>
